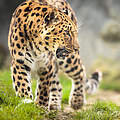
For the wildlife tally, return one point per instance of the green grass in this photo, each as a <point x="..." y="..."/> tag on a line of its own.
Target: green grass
<point x="100" y="111"/>
<point x="66" y="83"/>
<point x="12" y="109"/>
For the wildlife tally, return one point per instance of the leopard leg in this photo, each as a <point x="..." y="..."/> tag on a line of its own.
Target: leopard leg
<point x="21" y="78"/>
<point x="48" y="91"/>
<point x="55" y="94"/>
<point x="73" y="67"/>
<point x="42" y="90"/>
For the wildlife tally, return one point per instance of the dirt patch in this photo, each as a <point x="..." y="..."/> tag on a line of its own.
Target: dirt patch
<point x="64" y="116"/>
<point x="105" y="96"/>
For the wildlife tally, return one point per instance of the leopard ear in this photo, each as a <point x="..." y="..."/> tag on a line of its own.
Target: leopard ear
<point x="35" y="0"/>
<point x="39" y="1"/>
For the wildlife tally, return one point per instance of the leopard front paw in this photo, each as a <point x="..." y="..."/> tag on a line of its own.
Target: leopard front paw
<point x="54" y="107"/>
<point x="76" y="105"/>
<point x="77" y="101"/>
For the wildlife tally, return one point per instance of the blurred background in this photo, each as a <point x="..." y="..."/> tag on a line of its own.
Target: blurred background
<point x="99" y="36"/>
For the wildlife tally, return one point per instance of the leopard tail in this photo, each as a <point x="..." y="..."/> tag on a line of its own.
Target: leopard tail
<point x="92" y="84"/>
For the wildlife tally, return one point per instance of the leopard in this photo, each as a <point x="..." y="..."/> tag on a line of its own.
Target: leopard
<point x="43" y="40"/>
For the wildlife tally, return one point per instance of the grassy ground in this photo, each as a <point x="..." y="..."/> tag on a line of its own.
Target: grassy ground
<point x="12" y="109"/>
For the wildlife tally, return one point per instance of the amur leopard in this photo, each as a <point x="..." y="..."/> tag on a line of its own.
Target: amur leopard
<point x="43" y="38"/>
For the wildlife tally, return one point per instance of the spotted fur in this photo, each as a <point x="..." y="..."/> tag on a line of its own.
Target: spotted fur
<point x="43" y="38"/>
